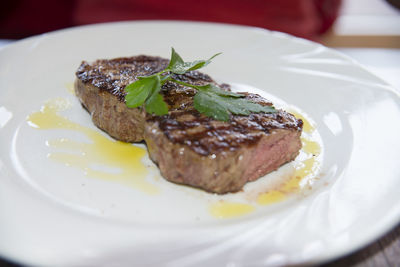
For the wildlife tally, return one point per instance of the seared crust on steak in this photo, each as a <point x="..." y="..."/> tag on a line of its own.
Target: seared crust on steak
<point x="114" y="74"/>
<point x="100" y="88"/>
<point x="218" y="156"/>
<point x="188" y="147"/>
<point x="226" y="171"/>
<point x="206" y="136"/>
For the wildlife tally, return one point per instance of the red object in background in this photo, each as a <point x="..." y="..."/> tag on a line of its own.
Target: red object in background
<point x="23" y="18"/>
<point x="304" y="18"/>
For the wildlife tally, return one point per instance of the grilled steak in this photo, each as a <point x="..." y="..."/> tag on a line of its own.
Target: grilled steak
<point x="100" y="88"/>
<point x="188" y="147"/>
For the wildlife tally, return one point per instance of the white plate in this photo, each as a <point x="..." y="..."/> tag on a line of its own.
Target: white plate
<point x="52" y="214"/>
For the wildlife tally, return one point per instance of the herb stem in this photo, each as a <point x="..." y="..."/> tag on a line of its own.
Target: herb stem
<point x="210" y="99"/>
<point x="183" y="83"/>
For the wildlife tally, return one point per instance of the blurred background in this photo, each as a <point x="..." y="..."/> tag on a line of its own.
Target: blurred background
<point x="311" y="19"/>
<point x="305" y="18"/>
<point x="366" y="30"/>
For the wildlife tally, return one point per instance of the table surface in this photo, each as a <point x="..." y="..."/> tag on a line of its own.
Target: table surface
<point x="384" y="63"/>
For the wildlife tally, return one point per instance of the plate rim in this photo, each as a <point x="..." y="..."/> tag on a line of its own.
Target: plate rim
<point x="384" y="227"/>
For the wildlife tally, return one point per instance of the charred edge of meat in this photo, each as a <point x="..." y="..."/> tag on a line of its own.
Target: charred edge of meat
<point x="113" y="75"/>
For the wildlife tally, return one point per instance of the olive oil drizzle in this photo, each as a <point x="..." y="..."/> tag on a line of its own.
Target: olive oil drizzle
<point x="306" y="167"/>
<point x="115" y="161"/>
<point x="101" y="157"/>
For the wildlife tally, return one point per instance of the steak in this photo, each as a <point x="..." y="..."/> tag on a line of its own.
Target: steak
<point x="100" y="88"/>
<point x="188" y="147"/>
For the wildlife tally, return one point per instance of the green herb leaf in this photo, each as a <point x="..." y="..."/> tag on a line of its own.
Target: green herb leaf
<point x="213" y="104"/>
<point x="210" y="99"/>
<point x="178" y="66"/>
<point x="198" y="64"/>
<point x="139" y="91"/>
<point x="175" y="62"/>
<point x="209" y="106"/>
<point x="155" y="104"/>
<point x="216" y="90"/>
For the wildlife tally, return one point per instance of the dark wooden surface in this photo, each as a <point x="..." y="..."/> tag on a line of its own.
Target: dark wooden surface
<point x="383" y="252"/>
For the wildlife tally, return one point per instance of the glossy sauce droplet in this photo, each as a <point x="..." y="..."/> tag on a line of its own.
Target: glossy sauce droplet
<point x="311" y="146"/>
<point x="101" y="158"/>
<point x="307" y="126"/>
<point x="270" y="197"/>
<point x="70" y="88"/>
<point x="224" y="209"/>
<point x="306" y="166"/>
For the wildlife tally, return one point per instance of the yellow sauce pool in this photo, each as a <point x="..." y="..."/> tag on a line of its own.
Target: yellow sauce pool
<point x="270" y="197"/>
<point x="306" y="167"/>
<point x="310" y="146"/>
<point x="100" y="158"/>
<point x="224" y="209"/>
<point x="110" y="160"/>
<point x="70" y="88"/>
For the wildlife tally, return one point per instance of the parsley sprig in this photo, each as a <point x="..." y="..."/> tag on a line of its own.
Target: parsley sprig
<point x="209" y="100"/>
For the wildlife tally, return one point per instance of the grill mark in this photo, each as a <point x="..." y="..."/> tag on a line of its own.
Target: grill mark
<point x="113" y="75"/>
<point x="241" y="130"/>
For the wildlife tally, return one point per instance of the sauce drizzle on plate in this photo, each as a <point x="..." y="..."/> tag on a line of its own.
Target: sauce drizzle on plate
<point x="305" y="169"/>
<point x="110" y="160"/>
<point x="101" y="157"/>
